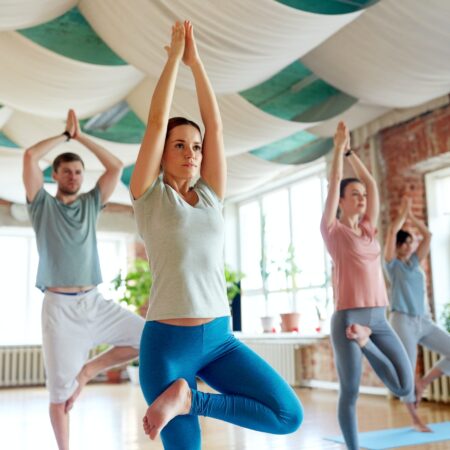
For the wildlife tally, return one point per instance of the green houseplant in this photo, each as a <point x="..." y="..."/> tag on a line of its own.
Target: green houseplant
<point x="134" y="287"/>
<point x="134" y="290"/>
<point x="232" y="278"/>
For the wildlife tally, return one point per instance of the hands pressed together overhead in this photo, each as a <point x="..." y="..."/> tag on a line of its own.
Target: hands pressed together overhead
<point x="182" y="45"/>
<point x="342" y="137"/>
<point x="72" y="125"/>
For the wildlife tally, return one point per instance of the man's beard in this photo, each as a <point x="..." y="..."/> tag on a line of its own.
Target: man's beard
<point x="67" y="191"/>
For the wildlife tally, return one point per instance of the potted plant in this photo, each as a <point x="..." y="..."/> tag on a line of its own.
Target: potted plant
<point x="268" y="322"/>
<point x="290" y="321"/>
<point x="233" y="281"/>
<point x="134" y="290"/>
<point x="113" y="374"/>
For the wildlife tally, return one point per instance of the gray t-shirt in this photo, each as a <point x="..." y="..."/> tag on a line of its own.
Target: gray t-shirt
<point x="66" y="239"/>
<point x="185" y="246"/>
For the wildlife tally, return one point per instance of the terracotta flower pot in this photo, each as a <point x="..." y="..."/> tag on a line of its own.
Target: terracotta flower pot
<point x="114" y="376"/>
<point x="290" y="322"/>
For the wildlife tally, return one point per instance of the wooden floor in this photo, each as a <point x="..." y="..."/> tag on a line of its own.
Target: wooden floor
<point x="109" y="417"/>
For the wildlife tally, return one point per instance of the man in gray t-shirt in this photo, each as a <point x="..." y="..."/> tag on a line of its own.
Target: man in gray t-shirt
<point x="75" y="316"/>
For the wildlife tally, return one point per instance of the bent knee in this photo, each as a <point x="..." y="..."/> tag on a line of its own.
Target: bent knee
<point x="405" y="391"/>
<point x="291" y="421"/>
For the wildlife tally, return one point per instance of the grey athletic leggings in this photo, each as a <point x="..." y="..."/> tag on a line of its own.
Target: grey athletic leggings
<point x="413" y="330"/>
<point x="385" y="353"/>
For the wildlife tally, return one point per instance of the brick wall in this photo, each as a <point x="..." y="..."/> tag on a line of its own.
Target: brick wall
<point x="403" y="151"/>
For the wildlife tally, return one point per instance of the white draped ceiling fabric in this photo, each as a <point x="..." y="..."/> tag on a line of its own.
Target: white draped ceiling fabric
<point x="394" y="54"/>
<point x="241" y="43"/>
<point x="397" y="54"/>
<point x="245" y="126"/>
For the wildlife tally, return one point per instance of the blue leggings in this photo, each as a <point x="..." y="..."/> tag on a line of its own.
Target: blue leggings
<point x="252" y="394"/>
<point x="385" y="353"/>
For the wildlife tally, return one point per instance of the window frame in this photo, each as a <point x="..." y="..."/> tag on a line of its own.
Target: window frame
<point x="318" y="170"/>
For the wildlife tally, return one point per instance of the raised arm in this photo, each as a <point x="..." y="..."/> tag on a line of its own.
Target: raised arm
<point x="113" y="165"/>
<point x="341" y="144"/>
<point x="33" y="179"/>
<point x="373" y="198"/>
<point x="214" y="168"/>
<point x="148" y="162"/>
<point x="394" y="227"/>
<point x="424" y="246"/>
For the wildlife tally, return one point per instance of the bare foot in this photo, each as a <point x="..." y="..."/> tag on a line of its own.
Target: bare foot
<point x="359" y="333"/>
<point x="174" y="401"/>
<point x="418" y="425"/>
<point x="83" y="377"/>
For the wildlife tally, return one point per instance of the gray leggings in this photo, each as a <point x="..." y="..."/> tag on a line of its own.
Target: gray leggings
<point x="385" y="353"/>
<point x="413" y="330"/>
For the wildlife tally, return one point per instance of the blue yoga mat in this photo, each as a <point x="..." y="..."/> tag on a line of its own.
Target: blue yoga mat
<point x="399" y="437"/>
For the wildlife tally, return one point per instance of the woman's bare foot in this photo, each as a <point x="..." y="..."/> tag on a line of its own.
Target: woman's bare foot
<point x="418" y="425"/>
<point x="359" y="333"/>
<point x="83" y="377"/>
<point x="174" y="401"/>
<point x="422" y="427"/>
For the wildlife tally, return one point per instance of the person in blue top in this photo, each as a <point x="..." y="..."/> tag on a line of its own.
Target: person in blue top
<point x="75" y="316"/>
<point x="410" y="315"/>
<point x="177" y="189"/>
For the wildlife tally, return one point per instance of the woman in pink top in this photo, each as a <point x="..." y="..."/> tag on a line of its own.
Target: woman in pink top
<point x="359" y="324"/>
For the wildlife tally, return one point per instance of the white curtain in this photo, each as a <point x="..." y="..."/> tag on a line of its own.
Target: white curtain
<point x="246" y="127"/>
<point x="5" y="115"/>
<point x="357" y="115"/>
<point x="16" y="14"/>
<point x="36" y="80"/>
<point x="247" y="172"/>
<point x="242" y="43"/>
<point x="397" y="54"/>
<point x="26" y="130"/>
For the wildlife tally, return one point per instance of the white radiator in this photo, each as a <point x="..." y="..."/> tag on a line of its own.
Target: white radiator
<point x="24" y="365"/>
<point x="21" y="366"/>
<point x="281" y="356"/>
<point x="439" y="389"/>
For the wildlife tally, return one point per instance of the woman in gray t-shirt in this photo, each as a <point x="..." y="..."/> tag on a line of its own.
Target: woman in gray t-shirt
<point x="409" y="306"/>
<point x="187" y="334"/>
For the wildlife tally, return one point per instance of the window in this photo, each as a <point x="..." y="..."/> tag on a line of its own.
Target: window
<point x="438" y="188"/>
<point x="21" y="301"/>
<point x="274" y="227"/>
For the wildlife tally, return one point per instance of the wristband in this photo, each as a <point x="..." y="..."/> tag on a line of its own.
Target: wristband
<point x="348" y="152"/>
<point x="67" y="134"/>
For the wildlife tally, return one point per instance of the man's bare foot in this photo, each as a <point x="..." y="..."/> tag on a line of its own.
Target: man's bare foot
<point x="174" y="401"/>
<point x="359" y="333"/>
<point x="83" y="377"/>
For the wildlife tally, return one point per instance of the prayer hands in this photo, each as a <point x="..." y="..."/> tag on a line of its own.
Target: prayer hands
<point x="177" y="43"/>
<point x="342" y="137"/>
<point x="190" y="56"/>
<point x="72" y="125"/>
